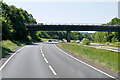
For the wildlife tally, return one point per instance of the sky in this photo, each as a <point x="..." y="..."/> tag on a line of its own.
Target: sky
<point x="69" y="11"/>
<point x="61" y="0"/>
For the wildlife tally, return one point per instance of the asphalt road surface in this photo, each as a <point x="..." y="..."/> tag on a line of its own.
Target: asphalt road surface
<point x="41" y="60"/>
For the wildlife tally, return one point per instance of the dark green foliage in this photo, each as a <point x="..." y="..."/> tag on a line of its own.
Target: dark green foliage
<point x="107" y="36"/>
<point x="86" y="42"/>
<point x="14" y="19"/>
<point x="60" y="35"/>
<point x="13" y="24"/>
<point x="87" y="36"/>
<point x="114" y="21"/>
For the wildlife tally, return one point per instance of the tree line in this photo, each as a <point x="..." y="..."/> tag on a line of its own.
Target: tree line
<point x="62" y="34"/>
<point x="107" y="36"/>
<point x="13" y="28"/>
<point x="13" y="23"/>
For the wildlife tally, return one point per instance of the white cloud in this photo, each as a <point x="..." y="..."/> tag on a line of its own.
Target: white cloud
<point x="61" y="0"/>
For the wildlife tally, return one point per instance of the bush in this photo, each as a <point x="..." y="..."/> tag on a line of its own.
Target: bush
<point x="107" y="43"/>
<point x="29" y="38"/>
<point x="86" y="42"/>
<point x="114" y="40"/>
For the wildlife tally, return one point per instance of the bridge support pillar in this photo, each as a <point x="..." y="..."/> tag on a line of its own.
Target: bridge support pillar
<point x="68" y="36"/>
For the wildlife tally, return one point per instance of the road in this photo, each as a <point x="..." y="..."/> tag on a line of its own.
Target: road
<point x="41" y="60"/>
<point x="103" y="46"/>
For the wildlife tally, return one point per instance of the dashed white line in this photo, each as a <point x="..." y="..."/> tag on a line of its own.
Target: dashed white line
<point x="41" y="47"/>
<point x="86" y="63"/>
<point x="41" y="51"/>
<point x="43" y="55"/>
<point x="10" y="58"/>
<point x="52" y="70"/>
<point x="46" y="60"/>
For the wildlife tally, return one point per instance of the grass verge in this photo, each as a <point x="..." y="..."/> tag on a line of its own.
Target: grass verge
<point x="45" y="39"/>
<point x="104" y="57"/>
<point x="8" y="45"/>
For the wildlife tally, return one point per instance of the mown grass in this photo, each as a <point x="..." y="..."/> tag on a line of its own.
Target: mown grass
<point x="104" y="57"/>
<point x="45" y="39"/>
<point x="117" y="43"/>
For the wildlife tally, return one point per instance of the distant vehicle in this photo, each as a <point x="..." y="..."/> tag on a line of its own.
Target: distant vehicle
<point x="50" y="40"/>
<point x="63" y="41"/>
<point x="78" y="41"/>
<point x="55" y="41"/>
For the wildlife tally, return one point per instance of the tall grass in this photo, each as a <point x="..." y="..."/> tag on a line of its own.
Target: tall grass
<point x="7" y="46"/>
<point x="104" y="57"/>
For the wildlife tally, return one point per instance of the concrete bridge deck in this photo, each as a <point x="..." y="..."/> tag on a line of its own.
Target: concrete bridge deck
<point x="68" y="28"/>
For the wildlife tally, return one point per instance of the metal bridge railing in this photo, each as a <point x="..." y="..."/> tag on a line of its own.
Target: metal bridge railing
<point x="81" y="24"/>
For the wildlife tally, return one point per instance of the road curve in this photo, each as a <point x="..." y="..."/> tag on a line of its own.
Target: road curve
<point x="42" y="60"/>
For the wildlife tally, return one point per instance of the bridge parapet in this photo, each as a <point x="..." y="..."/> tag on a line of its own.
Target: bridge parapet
<point x="78" y="24"/>
<point x="68" y="27"/>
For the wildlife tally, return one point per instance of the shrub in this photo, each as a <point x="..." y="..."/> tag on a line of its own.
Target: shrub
<point x="114" y="40"/>
<point x="29" y="38"/>
<point x="86" y="42"/>
<point x="107" y="43"/>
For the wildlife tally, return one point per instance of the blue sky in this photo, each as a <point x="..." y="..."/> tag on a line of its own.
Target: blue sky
<point x="70" y="12"/>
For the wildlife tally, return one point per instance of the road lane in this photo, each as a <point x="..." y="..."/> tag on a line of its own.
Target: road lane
<point x="28" y="63"/>
<point x="43" y="60"/>
<point x="67" y="67"/>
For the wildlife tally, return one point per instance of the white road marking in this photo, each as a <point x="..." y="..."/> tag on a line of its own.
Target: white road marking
<point x="41" y="47"/>
<point x="10" y="58"/>
<point x="43" y="55"/>
<point x="41" y="51"/>
<point x="86" y="63"/>
<point x="46" y="60"/>
<point x="52" y="70"/>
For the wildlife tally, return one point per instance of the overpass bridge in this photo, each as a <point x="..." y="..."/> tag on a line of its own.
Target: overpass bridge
<point x="72" y="27"/>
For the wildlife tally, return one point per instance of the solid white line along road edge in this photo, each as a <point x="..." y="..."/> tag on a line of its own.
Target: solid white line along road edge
<point x="52" y="70"/>
<point x="10" y="58"/>
<point x="86" y="63"/>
